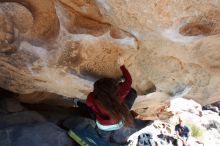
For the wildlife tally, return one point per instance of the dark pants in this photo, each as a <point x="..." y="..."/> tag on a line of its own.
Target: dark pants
<point x="119" y="136"/>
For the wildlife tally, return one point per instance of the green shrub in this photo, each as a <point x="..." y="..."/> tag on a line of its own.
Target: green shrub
<point x="195" y="130"/>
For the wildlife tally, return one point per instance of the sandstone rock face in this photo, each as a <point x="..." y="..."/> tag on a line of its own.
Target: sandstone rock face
<point x="63" y="46"/>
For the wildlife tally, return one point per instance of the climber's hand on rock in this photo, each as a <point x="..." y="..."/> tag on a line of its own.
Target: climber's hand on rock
<point x="120" y="61"/>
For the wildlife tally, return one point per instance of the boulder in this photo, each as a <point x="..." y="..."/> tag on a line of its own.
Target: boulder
<point x="211" y="107"/>
<point x="37" y="134"/>
<point x="13" y="119"/>
<point x="63" y="46"/>
<point x="10" y="105"/>
<point x="180" y="105"/>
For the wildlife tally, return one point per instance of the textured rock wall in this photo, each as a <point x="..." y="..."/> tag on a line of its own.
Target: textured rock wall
<point x="63" y="46"/>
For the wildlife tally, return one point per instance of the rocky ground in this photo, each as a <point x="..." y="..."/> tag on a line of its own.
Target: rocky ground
<point x="42" y="124"/>
<point x="204" y="124"/>
<point x="32" y="125"/>
<point x="63" y="46"/>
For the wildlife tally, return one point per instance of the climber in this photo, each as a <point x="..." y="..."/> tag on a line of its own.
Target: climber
<point x="111" y="101"/>
<point x="182" y="132"/>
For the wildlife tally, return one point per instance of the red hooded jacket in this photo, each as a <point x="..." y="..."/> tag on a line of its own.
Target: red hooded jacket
<point x="123" y="91"/>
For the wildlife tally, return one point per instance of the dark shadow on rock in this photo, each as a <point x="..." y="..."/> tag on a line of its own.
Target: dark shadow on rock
<point x="35" y="134"/>
<point x="26" y="117"/>
<point x="78" y="122"/>
<point x="52" y="113"/>
<point x="139" y="124"/>
<point x="8" y="104"/>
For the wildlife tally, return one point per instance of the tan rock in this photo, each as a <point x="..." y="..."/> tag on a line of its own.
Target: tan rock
<point x="46" y="24"/>
<point x="152" y="106"/>
<point x="206" y="24"/>
<point x="63" y="46"/>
